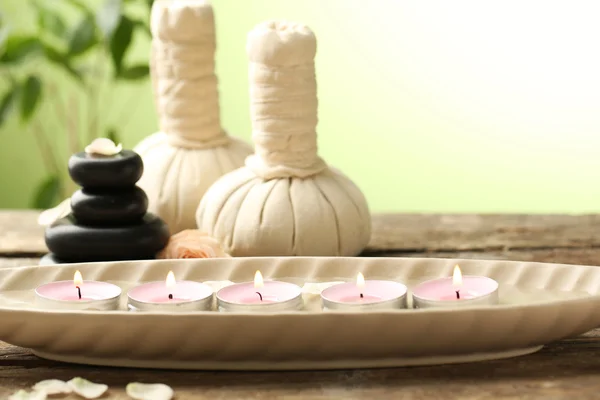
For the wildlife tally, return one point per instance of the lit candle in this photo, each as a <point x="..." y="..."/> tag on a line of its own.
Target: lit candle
<point x="364" y="295"/>
<point x="78" y="295"/>
<point x="260" y="295"/>
<point x="456" y="291"/>
<point x="170" y="295"/>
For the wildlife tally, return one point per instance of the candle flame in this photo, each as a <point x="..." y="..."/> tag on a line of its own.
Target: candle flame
<point x="457" y="277"/>
<point x="170" y="280"/>
<point x="258" y="280"/>
<point x="360" y="281"/>
<point x="77" y="279"/>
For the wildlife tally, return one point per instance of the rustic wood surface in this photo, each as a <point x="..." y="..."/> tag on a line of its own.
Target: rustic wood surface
<point x="406" y="233"/>
<point x="569" y="369"/>
<point x="20" y="234"/>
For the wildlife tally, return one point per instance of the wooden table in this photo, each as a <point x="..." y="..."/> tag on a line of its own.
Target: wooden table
<point x="569" y="369"/>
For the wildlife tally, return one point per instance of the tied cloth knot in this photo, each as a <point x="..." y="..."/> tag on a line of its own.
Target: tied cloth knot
<point x="284" y="119"/>
<point x="195" y="144"/>
<point x="186" y="93"/>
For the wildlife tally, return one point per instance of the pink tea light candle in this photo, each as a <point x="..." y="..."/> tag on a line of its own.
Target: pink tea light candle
<point x="456" y="291"/>
<point x="170" y="296"/>
<point x="78" y="295"/>
<point x="364" y="295"/>
<point x="260" y="295"/>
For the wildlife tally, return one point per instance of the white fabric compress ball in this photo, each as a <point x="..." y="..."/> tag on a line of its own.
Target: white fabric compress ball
<point x="192" y="150"/>
<point x="286" y="201"/>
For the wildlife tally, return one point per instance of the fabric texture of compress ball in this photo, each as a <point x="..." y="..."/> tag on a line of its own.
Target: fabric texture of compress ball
<point x="191" y="151"/>
<point x="285" y="201"/>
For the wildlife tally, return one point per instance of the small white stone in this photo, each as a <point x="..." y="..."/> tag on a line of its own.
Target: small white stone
<point x="149" y="391"/>
<point x="103" y="146"/>
<point x="87" y="389"/>
<point x="25" y="395"/>
<point x="52" y="386"/>
<point x="48" y="217"/>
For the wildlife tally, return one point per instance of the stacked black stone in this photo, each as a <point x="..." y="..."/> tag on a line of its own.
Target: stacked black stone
<point x="108" y="220"/>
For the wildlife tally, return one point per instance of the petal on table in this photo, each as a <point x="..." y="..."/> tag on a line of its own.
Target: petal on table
<point x="149" y="391"/>
<point x="53" y="386"/>
<point x="87" y="389"/>
<point x="25" y="395"/>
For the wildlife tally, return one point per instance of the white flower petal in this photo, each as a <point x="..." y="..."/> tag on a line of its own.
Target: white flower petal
<point x="149" y="391"/>
<point x="87" y="389"/>
<point x="25" y="395"/>
<point x="103" y="146"/>
<point x="52" y="386"/>
<point x="48" y="217"/>
<point x="318" y="287"/>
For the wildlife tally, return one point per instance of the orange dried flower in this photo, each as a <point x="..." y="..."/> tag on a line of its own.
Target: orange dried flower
<point x="192" y="243"/>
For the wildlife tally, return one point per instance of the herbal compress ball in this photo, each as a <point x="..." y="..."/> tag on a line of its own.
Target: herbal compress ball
<point x="286" y="200"/>
<point x="191" y="150"/>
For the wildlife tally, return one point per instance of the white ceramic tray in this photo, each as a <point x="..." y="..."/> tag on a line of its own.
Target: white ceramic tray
<point x="540" y="303"/>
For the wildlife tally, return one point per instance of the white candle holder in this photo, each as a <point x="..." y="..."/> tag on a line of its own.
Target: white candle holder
<point x="476" y="291"/>
<point x="64" y="295"/>
<point x="373" y="295"/>
<point x="274" y="296"/>
<point x="182" y="297"/>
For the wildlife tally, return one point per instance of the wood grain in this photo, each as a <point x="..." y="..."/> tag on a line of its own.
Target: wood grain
<point x="403" y="233"/>
<point x="568" y="369"/>
<point x="564" y="369"/>
<point x="20" y="233"/>
<point x="583" y="256"/>
<point x="426" y="233"/>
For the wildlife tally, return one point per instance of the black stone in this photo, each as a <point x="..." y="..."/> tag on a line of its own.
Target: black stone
<point x="97" y="171"/>
<point x="50" y="259"/>
<point x="109" y="207"/>
<point x="73" y="243"/>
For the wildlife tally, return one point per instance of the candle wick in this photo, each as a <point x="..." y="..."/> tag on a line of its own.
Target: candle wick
<point x="458" y="294"/>
<point x="259" y="295"/>
<point x="78" y="291"/>
<point x="170" y="297"/>
<point x="362" y="296"/>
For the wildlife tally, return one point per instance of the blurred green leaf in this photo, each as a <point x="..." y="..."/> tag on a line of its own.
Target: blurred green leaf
<point x="80" y="5"/>
<point x="49" y="21"/>
<point x="17" y="48"/>
<point x="7" y="102"/>
<point x="120" y="41"/>
<point x="4" y="31"/>
<point x="136" y="72"/>
<point x="108" y="17"/>
<point x="47" y="193"/>
<point x="111" y="133"/>
<point x="149" y="3"/>
<point x="61" y="60"/>
<point x="143" y="26"/>
<point x="83" y="36"/>
<point x="30" y="96"/>
<point x="53" y="54"/>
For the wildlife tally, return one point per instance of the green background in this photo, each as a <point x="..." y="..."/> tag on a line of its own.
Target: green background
<point x="459" y="106"/>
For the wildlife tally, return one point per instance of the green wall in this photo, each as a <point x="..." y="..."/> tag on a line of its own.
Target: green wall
<point x="461" y="106"/>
